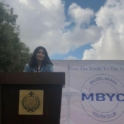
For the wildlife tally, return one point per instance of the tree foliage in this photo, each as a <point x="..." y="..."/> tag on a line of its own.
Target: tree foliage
<point x="13" y="53"/>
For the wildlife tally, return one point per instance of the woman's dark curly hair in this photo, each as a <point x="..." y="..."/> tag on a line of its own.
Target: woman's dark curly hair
<point x="33" y="61"/>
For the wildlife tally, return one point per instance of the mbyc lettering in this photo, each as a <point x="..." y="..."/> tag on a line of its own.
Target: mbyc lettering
<point x="102" y="97"/>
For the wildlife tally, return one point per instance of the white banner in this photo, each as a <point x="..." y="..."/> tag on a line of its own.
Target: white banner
<point x="93" y="93"/>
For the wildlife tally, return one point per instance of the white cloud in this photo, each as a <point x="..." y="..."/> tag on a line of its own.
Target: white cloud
<point x="24" y="2"/>
<point x="111" y="44"/>
<point x="42" y="23"/>
<point x="80" y="15"/>
<point x="39" y="24"/>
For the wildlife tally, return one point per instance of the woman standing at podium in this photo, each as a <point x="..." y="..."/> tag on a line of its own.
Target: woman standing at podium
<point x="40" y="61"/>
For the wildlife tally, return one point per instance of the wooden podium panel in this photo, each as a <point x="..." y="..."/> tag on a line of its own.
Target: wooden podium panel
<point x="12" y="83"/>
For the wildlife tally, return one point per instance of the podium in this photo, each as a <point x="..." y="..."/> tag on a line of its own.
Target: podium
<point x="12" y="83"/>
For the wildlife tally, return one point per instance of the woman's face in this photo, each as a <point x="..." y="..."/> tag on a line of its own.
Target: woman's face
<point x="40" y="55"/>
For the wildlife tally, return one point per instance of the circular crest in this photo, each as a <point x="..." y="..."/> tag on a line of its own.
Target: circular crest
<point x="30" y="102"/>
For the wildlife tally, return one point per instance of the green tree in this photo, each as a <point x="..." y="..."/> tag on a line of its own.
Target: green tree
<point x="13" y="53"/>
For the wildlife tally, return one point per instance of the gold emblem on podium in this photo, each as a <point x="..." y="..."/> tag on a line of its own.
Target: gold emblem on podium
<point x="31" y="102"/>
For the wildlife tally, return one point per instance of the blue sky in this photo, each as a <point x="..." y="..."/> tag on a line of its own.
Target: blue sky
<point x="93" y="4"/>
<point x="85" y="4"/>
<point x="72" y="29"/>
<point x="77" y="53"/>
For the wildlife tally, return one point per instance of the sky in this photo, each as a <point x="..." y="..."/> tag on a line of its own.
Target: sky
<point x="72" y="29"/>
